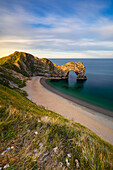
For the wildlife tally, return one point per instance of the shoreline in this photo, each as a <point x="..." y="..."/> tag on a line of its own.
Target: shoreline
<point x="76" y="101"/>
<point x="100" y="124"/>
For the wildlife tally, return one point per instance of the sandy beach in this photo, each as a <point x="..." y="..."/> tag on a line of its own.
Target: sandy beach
<point x="100" y="124"/>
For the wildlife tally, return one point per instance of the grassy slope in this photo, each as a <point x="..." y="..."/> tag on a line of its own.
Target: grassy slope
<point x="57" y="136"/>
<point x="18" y="60"/>
<point x="16" y="57"/>
<point x="28" y="65"/>
<point x="20" y="119"/>
<point x="8" y="77"/>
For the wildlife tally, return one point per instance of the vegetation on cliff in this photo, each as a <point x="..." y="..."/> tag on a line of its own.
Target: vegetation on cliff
<point x="11" y="78"/>
<point x="28" y="65"/>
<point x="40" y="138"/>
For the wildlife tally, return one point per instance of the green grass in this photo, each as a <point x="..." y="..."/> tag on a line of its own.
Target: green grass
<point x="20" y="119"/>
<point x="20" y="91"/>
<point x="16" y="57"/>
<point x="17" y="81"/>
<point x="48" y="63"/>
<point x="6" y="76"/>
<point x="11" y="66"/>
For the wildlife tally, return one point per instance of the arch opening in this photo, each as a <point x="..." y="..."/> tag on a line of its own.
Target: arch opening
<point x="71" y="78"/>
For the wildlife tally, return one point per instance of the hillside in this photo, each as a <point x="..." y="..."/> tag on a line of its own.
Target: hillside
<point x="40" y="138"/>
<point x="28" y="65"/>
<point x="32" y="137"/>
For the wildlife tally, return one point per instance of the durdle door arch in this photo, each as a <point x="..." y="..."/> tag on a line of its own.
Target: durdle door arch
<point x="67" y="75"/>
<point x="44" y="67"/>
<point x="78" y="68"/>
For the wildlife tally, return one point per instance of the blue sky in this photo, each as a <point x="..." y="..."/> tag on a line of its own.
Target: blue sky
<point x="57" y="28"/>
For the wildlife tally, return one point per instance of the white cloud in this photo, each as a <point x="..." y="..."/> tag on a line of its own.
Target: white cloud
<point x="19" y="30"/>
<point x="84" y="54"/>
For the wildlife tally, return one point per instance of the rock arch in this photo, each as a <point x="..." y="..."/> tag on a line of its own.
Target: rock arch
<point x="78" y="68"/>
<point x="28" y="65"/>
<point x="70" y="71"/>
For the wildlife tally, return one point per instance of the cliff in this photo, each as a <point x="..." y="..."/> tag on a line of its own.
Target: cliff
<point x="28" y="65"/>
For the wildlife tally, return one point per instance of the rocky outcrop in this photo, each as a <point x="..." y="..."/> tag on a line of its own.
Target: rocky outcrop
<point x="11" y="78"/>
<point x="28" y="65"/>
<point x="78" y="68"/>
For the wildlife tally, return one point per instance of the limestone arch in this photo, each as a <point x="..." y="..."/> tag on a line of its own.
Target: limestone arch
<point x="67" y="74"/>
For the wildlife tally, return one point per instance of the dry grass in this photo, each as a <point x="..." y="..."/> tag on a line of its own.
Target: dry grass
<point x="42" y="139"/>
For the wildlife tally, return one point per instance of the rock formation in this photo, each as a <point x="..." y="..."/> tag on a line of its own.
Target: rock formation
<point x="28" y="65"/>
<point x="78" y="68"/>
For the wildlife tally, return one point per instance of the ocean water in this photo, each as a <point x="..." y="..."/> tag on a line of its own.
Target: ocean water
<point x="97" y="89"/>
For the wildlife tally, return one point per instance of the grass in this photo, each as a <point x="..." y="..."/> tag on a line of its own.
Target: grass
<point x="24" y="63"/>
<point x="16" y="57"/>
<point x="11" y="66"/>
<point x="20" y="91"/>
<point x="58" y="144"/>
<point x="6" y="77"/>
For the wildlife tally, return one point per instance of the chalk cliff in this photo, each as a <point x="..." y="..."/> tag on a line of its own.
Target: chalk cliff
<point x="29" y="65"/>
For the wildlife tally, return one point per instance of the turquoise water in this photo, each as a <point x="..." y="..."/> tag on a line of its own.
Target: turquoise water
<point x="97" y="90"/>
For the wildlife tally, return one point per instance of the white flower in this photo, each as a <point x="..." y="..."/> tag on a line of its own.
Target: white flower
<point x="69" y="155"/>
<point x="40" y="144"/>
<point x="12" y="147"/>
<point x="55" y="149"/>
<point x="67" y="163"/>
<point x="6" y="166"/>
<point x="28" y="131"/>
<point x="36" y="133"/>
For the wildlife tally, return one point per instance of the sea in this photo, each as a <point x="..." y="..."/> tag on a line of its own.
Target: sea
<point x="96" y="90"/>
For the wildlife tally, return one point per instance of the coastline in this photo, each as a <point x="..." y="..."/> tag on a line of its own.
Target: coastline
<point x="100" y="124"/>
<point x="75" y="100"/>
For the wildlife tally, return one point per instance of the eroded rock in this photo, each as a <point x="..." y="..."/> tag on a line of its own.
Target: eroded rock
<point x="29" y="65"/>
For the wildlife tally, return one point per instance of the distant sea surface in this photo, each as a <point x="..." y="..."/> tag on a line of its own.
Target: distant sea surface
<point x="96" y="90"/>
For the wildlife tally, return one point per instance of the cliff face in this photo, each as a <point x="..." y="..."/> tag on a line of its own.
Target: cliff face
<point x="28" y="65"/>
<point x="78" y="68"/>
<point x="11" y="78"/>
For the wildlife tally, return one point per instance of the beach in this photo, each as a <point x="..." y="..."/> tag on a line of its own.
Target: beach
<point x="75" y="100"/>
<point x="100" y="124"/>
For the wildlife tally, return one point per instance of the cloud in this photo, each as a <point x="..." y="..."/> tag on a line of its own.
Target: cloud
<point x="23" y="29"/>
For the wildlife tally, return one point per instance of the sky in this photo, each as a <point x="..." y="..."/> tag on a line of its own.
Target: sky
<point x="57" y="28"/>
